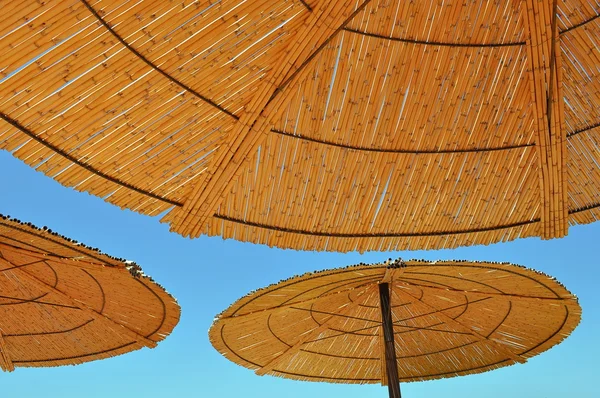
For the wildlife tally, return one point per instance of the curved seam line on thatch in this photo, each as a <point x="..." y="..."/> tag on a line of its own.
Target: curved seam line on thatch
<point x="45" y="252"/>
<point x="435" y="43"/>
<point x="585" y="208"/>
<point x="583" y="130"/>
<point x="47" y="333"/>
<point x="74" y="357"/>
<point x="466" y="307"/>
<point x="412" y="328"/>
<point x="234" y="352"/>
<point x="392" y="235"/>
<point x="552" y="335"/>
<point x="437" y="352"/>
<point x="429" y="329"/>
<point x="333" y="314"/>
<point x="19" y="266"/>
<point x="437" y="311"/>
<point x="89" y="168"/>
<point x="325" y="377"/>
<point x="401" y="378"/>
<point x="150" y="64"/>
<point x="34" y="301"/>
<point x="404" y="151"/>
<point x="397" y="357"/>
<point x="314" y="54"/>
<point x="375" y="235"/>
<point x="579" y="24"/>
<point x="442" y="284"/>
<point x="35" y="262"/>
<point x="466" y="370"/>
<point x="371" y="327"/>
<point x="502" y="321"/>
<point x="273" y="333"/>
<point x="305" y="4"/>
<point x="466" y="304"/>
<point x="162" y="303"/>
<point x="22" y="300"/>
<point x="355" y="331"/>
<point x="53" y="241"/>
<point x="296" y="282"/>
<point x="481" y="283"/>
<point x="325" y="294"/>
<point x="101" y="290"/>
<point x="55" y="274"/>
<point x="340" y="356"/>
<point x="339" y="284"/>
<point x="418" y="286"/>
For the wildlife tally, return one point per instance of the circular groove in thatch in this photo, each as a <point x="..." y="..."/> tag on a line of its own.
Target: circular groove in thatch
<point x="156" y="68"/>
<point x="585" y="208"/>
<point x="583" y="130"/>
<point x="89" y="168"/>
<point x="405" y="151"/>
<point x="434" y="43"/>
<point x="455" y="318"/>
<point x="372" y="235"/>
<point x="76" y="303"/>
<point x="305" y="4"/>
<point x="16" y="226"/>
<point x="579" y="25"/>
<point x="315" y="53"/>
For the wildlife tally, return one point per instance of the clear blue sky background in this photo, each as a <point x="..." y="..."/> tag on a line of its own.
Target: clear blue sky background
<point x="208" y="274"/>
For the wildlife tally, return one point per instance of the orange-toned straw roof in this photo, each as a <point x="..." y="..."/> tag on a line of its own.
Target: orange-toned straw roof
<point x="314" y="124"/>
<point x="62" y="303"/>
<point x="450" y="318"/>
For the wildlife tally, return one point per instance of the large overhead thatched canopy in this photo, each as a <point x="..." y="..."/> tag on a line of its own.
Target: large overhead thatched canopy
<point x="345" y="125"/>
<point x="63" y="303"/>
<point x="448" y="318"/>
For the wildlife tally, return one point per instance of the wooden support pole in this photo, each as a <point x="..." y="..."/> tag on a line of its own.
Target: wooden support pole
<point x="388" y="335"/>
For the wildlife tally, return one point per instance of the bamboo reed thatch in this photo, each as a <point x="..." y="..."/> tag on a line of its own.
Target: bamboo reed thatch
<point x="450" y="318"/>
<point x="63" y="303"/>
<point x="312" y="124"/>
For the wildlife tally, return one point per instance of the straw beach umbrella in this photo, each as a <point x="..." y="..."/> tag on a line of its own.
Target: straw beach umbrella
<point x="314" y="124"/>
<point x="397" y="322"/>
<point x="63" y="303"/>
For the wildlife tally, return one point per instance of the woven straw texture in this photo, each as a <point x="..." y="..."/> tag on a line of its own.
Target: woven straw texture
<point x="314" y="124"/>
<point x="62" y="303"/>
<point x="449" y="319"/>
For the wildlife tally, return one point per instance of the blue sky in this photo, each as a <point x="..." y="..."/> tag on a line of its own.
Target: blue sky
<point x="208" y="274"/>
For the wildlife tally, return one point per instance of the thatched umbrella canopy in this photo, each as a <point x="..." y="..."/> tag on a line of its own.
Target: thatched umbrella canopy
<point x="63" y="303"/>
<point x="314" y="124"/>
<point x="403" y="321"/>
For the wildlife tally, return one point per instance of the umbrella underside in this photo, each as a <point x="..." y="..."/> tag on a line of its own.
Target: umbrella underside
<point x="73" y="307"/>
<point x="387" y="125"/>
<point x="448" y="318"/>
